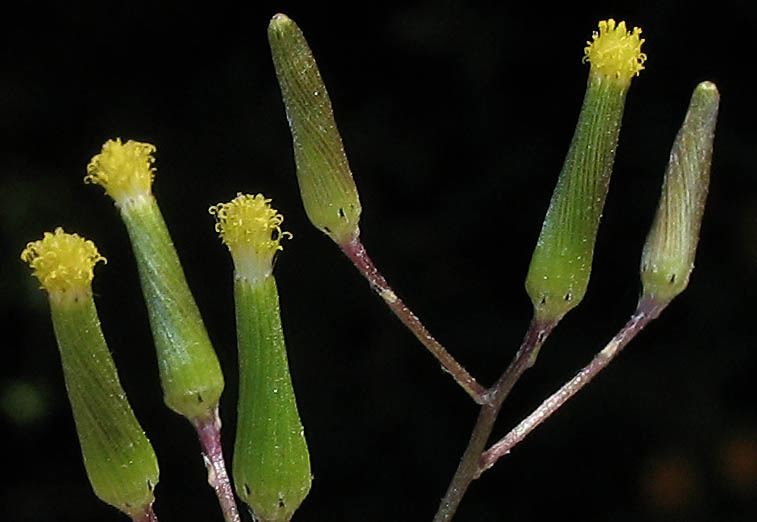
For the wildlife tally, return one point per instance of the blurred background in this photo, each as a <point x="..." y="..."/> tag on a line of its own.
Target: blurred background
<point x="456" y="118"/>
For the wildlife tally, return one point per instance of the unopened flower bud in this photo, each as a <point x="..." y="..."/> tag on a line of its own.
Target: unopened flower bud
<point x="328" y="191"/>
<point x="668" y="256"/>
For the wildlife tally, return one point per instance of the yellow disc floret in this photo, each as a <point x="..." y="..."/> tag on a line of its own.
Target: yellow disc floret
<point x="251" y="229"/>
<point x="62" y="262"/>
<point x="123" y="169"/>
<point x="615" y="51"/>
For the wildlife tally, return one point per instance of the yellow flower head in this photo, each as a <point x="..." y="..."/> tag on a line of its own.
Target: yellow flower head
<point x="62" y="262"/>
<point x="615" y="52"/>
<point x="252" y="231"/>
<point x="123" y="169"/>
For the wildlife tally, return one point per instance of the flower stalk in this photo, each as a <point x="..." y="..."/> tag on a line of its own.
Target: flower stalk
<point x="667" y="258"/>
<point x="561" y="263"/>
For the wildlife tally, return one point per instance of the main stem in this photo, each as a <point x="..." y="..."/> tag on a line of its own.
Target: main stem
<point x="356" y="252"/>
<point x="467" y="470"/>
<point x="209" y="433"/>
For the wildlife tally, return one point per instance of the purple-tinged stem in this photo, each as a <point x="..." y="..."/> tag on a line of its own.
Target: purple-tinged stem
<point x="357" y="254"/>
<point x="468" y="470"/>
<point x="645" y="313"/>
<point x="209" y="433"/>
<point x="147" y="516"/>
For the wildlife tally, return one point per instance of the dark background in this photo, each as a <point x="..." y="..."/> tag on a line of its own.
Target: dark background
<point x="456" y="118"/>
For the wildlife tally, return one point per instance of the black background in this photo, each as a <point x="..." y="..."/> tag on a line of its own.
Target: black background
<point x="456" y="118"/>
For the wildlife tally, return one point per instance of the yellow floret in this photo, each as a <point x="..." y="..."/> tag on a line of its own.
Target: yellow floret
<point x="123" y="169"/>
<point x="62" y="262"/>
<point x="615" y="51"/>
<point x="252" y="231"/>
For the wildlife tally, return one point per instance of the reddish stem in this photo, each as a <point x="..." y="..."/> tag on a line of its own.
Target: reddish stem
<point x="209" y="433"/>
<point x="147" y="516"/>
<point x="646" y="312"/>
<point x="467" y="470"/>
<point x="359" y="257"/>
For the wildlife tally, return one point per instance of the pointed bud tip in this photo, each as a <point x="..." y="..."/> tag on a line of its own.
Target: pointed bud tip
<point x="670" y="249"/>
<point x="279" y="23"/>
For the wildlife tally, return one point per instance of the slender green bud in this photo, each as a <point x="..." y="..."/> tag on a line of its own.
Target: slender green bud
<point x="271" y="465"/>
<point x="189" y="370"/>
<point x="323" y="172"/>
<point x="668" y="256"/>
<point x="561" y="264"/>
<point x="120" y="462"/>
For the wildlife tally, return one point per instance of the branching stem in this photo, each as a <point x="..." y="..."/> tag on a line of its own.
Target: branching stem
<point x="467" y="470"/>
<point x="475" y="461"/>
<point x="646" y="312"/>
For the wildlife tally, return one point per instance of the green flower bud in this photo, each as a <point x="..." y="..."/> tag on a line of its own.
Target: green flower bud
<point x="323" y="172"/>
<point x="271" y="465"/>
<point x="668" y="256"/>
<point x="561" y="264"/>
<point x="120" y="461"/>
<point x="189" y="370"/>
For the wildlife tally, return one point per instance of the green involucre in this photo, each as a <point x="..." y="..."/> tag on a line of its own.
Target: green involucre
<point x="561" y="264"/>
<point x="668" y="256"/>
<point x="271" y="466"/>
<point x="328" y="191"/>
<point x="190" y="374"/>
<point x="120" y="461"/>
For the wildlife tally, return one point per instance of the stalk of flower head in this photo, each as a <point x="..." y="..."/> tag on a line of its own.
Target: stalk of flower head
<point x="328" y="190"/>
<point x="190" y="374"/>
<point x="271" y="466"/>
<point x="119" y="460"/>
<point x="667" y="259"/>
<point x="561" y="263"/>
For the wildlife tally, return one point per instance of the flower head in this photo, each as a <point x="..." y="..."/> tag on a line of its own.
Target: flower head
<point x="62" y="262"/>
<point x="123" y="169"/>
<point x="251" y="229"/>
<point x="614" y="51"/>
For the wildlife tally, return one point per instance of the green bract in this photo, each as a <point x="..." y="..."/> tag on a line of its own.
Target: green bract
<point x="271" y="467"/>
